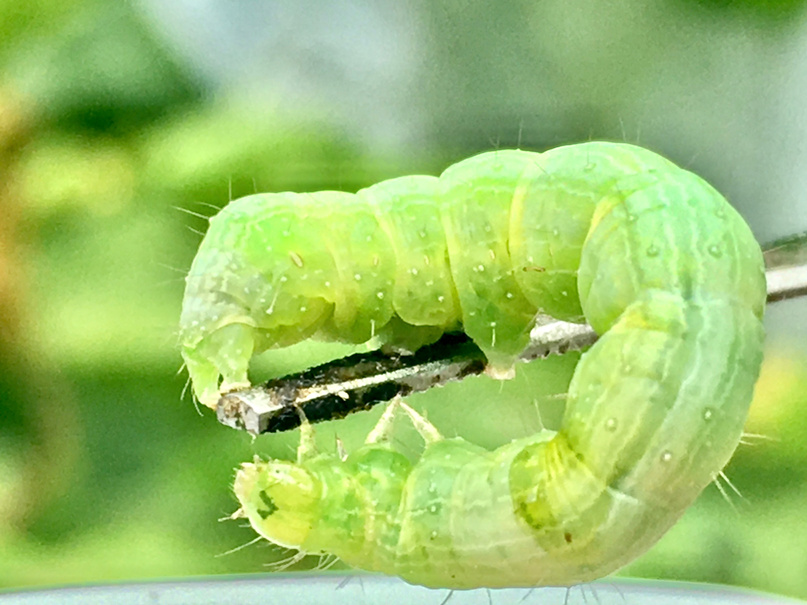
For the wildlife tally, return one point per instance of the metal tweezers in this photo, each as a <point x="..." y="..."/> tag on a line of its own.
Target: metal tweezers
<point x="358" y="382"/>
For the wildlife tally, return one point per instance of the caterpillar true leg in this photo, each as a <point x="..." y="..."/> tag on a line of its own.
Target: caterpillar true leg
<point x="424" y="428"/>
<point x="307" y="448"/>
<point x="383" y="429"/>
<point x="382" y="432"/>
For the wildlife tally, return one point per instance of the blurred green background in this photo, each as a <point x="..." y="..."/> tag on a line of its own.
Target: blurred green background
<point x="115" y="116"/>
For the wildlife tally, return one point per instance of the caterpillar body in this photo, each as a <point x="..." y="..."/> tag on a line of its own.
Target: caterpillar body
<point x="656" y="260"/>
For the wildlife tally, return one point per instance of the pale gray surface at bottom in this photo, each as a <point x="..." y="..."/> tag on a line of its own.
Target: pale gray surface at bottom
<point x="333" y="589"/>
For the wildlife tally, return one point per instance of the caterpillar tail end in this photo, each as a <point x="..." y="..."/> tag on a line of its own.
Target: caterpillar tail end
<point x="204" y="378"/>
<point x="218" y="363"/>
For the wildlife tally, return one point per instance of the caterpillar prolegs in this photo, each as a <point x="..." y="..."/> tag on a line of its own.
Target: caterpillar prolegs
<point x="655" y="259"/>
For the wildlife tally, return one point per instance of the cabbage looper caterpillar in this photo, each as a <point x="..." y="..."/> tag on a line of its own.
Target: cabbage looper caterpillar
<point x="660" y="265"/>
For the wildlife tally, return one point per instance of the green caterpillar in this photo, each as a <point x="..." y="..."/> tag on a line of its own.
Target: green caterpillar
<point x="656" y="260"/>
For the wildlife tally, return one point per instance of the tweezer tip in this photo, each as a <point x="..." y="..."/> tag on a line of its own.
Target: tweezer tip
<point x="248" y="409"/>
<point x="229" y="411"/>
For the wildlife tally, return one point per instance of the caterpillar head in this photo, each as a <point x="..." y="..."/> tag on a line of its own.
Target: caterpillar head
<point x="280" y="499"/>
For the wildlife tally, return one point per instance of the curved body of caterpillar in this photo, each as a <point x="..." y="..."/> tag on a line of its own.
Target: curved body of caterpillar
<point x="649" y="254"/>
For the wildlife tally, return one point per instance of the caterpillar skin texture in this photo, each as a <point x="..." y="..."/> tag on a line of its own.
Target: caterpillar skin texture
<point x="657" y="261"/>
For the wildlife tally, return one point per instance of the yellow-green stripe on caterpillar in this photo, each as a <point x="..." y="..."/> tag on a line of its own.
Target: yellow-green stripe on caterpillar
<point x="654" y="258"/>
